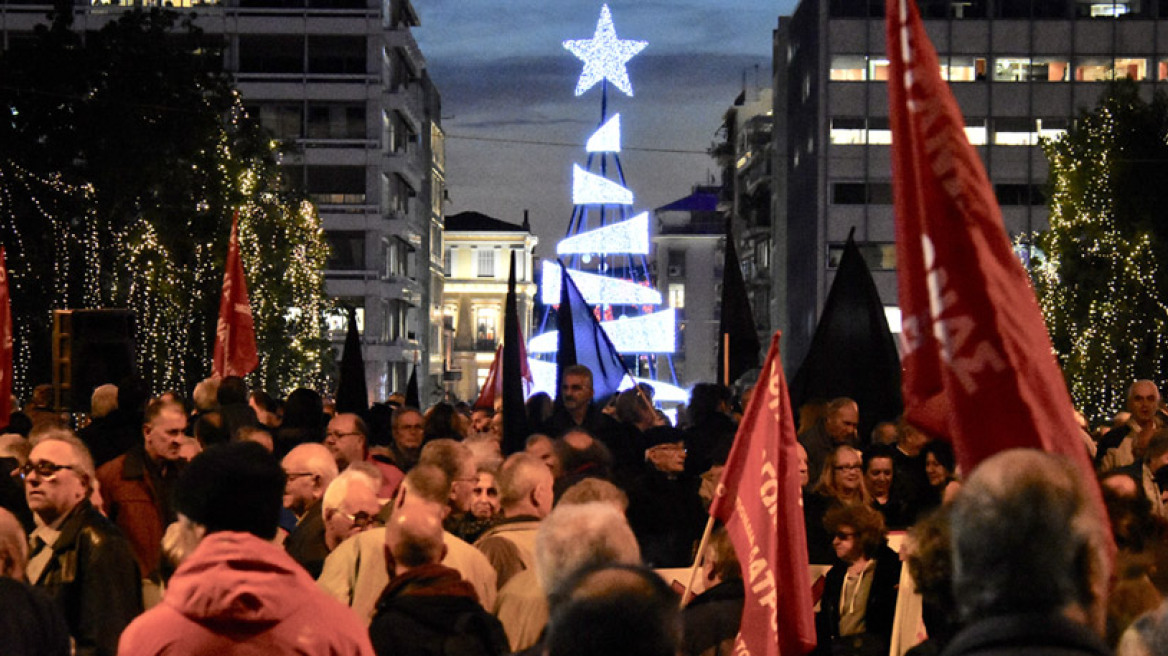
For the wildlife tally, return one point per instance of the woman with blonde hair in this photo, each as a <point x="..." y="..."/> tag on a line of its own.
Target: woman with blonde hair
<point x="841" y="483"/>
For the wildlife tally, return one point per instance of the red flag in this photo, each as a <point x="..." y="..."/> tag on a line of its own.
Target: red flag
<point x="979" y="369"/>
<point x="235" y="346"/>
<point x="5" y="345"/>
<point x="491" y="385"/>
<point x="760" y="494"/>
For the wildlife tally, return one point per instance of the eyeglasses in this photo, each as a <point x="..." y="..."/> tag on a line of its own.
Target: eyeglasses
<point x="846" y="467"/>
<point x="291" y="476"/>
<point x="361" y="520"/>
<point x="46" y="470"/>
<point x="333" y="435"/>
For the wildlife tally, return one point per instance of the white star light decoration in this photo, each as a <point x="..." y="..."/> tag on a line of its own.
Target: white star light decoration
<point x="604" y="56"/>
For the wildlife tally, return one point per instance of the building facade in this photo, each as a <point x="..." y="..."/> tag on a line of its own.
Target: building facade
<point x="343" y="85"/>
<point x="477" y="260"/>
<point x="1021" y="70"/>
<point x="746" y="159"/>
<point x="689" y="255"/>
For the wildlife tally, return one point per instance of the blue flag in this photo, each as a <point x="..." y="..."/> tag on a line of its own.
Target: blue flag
<point x="583" y="341"/>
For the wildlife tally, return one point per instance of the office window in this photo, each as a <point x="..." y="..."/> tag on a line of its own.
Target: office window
<point x="1019" y="194"/>
<point x="676" y="295"/>
<point x="849" y="193"/>
<point x="336" y="55"/>
<point x="271" y="53"/>
<point x="346" y="250"/>
<point x="336" y="185"/>
<point x="848" y="130"/>
<point x="848" y="68"/>
<point x="958" y="68"/>
<point x="282" y="120"/>
<point x="336" y="121"/>
<point x="879" y="256"/>
<point x="1099" y="69"/>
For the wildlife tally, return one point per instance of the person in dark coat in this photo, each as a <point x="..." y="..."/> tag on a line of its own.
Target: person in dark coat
<point x="665" y="507"/>
<point x="81" y="560"/>
<point x="1031" y="559"/>
<point x="428" y="609"/>
<point x="712" y="619"/>
<point x="30" y="625"/>
<point x="711" y="430"/>
<point x="308" y="471"/>
<point x="859" y="595"/>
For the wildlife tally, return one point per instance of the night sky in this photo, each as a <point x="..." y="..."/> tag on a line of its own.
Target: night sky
<point x="514" y="127"/>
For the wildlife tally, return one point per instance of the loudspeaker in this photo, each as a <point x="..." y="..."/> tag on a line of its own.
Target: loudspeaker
<point x="90" y="348"/>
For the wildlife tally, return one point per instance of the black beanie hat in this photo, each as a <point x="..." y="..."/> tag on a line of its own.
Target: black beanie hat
<point x="237" y="486"/>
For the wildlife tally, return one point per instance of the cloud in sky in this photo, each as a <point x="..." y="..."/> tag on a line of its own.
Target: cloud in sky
<point x="515" y="128"/>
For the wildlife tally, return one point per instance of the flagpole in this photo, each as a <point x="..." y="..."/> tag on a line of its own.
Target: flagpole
<point x="726" y="359"/>
<point x="693" y="572"/>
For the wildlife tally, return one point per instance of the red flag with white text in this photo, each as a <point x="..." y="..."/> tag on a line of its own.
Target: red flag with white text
<point x="5" y="345"/>
<point x="760" y="502"/>
<point x="979" y="369"/>
<point x="235" y="345"/>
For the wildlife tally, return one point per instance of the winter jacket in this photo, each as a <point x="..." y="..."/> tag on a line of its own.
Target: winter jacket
<point x="93" y="580"/>
<point x="431" y="611"/>
<point x="239" y="594"/>
<point x="355" y="573"/>
<point x="712" y="620"/>
<point x="136" y="506"/>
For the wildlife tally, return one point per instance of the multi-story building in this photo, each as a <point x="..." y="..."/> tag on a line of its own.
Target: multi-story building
<point x="343" y="85"/>
<point x="1020" y="70"/>
<point x="478" y="260"/>
<point x="747" y="180"/>
<point x="689" y="245"/>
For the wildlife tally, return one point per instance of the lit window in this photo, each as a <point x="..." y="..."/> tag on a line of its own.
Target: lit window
<point x="964" y="69"/>
<point x="848" y="68"/>
<point x="1098" y="69"/>
<point x="676" y="295"/>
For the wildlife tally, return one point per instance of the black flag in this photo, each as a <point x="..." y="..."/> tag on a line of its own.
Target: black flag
<point x="352" y="395"/>
<point x="583" y="341"/>
<point x="737" y="321"/>
<point x="853" y="353"/>
<point x="515" y="427"/>
<point x="413" y="399"/>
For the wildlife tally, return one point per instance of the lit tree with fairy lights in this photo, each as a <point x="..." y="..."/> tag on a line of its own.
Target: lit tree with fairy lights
<point x="122" y="160"/>
<point x="1098" y="268"/>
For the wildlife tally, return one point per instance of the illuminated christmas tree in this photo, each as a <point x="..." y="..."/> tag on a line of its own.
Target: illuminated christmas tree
<point x="606" y="246"/>
<point x="1097" y="269"/>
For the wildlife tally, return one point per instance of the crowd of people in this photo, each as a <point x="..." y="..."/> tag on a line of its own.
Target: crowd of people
<point x="233" y="522"/>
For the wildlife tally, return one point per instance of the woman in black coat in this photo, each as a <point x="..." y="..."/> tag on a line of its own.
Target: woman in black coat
<point x="859" y="596"/>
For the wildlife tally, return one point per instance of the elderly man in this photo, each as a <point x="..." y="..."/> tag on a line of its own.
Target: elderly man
<point x="347" y="438"/>
<point x="78" y="557"/>
<point x="458" y="463"/>
<point x="355" y="572"/>
<point x="428" y="608"/>
<point x="1030" y="558"/>
<point x="236" y="592"/>
<point x="525" y="498"/>
<point x="308" y="471"/>
<point x="1125" y="445"/>
<point x="572" y="536"/>
<point x="350" y="506"/>
<point x="839" y="426"/>
<point x="1143" y="472"/>
<point x="138" y="485"/>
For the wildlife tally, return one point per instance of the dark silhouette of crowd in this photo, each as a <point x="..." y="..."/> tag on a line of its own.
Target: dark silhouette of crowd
<point x="234" y="521"/>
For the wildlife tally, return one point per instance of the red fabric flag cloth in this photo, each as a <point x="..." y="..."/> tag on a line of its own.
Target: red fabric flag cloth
<point x="5" y="345"/>
<point x="759" y="495"/>
<point x="235" y="345"/>
<point x="979" y="369"/>
<point x="492" y="385"/>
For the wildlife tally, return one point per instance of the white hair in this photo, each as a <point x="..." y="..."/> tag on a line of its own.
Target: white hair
<point x="573" y="536"/>
<point x="335" y="495"/>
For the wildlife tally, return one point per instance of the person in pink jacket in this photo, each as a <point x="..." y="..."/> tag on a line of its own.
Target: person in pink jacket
<point x="236" y="592"/>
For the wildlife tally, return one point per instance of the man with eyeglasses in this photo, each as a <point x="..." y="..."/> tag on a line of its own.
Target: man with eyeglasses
<point x="839" y="426"/>
<point x="137" y="487"/>
<point x="665" y="506"/>
<point x="309" y="469"/>
<point x="350" y="507"/>
<point x="347" y="440"/>
<point x="76" y="555"/>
